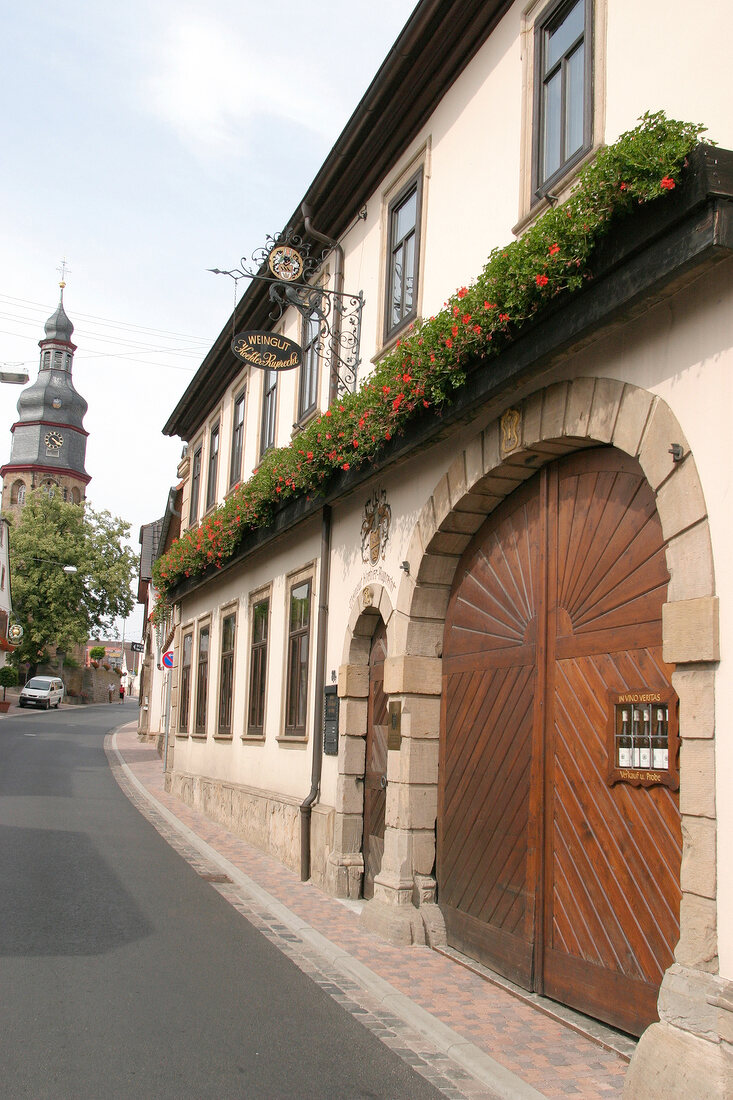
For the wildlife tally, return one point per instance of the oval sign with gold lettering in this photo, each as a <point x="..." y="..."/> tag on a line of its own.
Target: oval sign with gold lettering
<point x="267" y="350"/>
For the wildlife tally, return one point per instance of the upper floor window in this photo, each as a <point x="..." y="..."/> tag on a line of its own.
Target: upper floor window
<point x="235" y="465"/>
<point x="193" y="508"/>
<point x="403" y="255"/>
<point x="297" y="669"/>
<point x="269" y="405"/>
<point x="563" y="90"/>
<point x="213" y="468"/>
<point x="308" y="395"/>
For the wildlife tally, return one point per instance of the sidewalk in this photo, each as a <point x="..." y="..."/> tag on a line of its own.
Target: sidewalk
<point x="470" y="1037"/>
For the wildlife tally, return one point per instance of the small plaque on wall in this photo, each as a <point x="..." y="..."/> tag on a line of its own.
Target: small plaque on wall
<point x="394" y="726"/>
<point x="330" y="721"/>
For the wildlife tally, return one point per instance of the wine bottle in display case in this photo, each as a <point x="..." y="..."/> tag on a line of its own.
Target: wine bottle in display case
<point x="635" y="737"/>
<point x="624" y="742"/>
<point x="645" y="742"/>
<point x="660" y="742"/>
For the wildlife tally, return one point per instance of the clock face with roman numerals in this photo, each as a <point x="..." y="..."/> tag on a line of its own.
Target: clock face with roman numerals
<point x="53" y="440"/>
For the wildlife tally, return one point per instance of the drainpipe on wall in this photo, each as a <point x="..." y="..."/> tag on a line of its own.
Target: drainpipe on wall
<point x="305" y="808"/>
<point x="338" y="286"/>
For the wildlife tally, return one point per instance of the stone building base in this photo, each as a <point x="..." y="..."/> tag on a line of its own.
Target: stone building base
<point x="269" y="821"/>
<point x="688" y="1055"/>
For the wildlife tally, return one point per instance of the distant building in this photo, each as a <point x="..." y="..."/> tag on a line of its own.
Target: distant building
<point x="115" y="654"/>
<point x="49" y="439"/>
<point x="155" y="678"/>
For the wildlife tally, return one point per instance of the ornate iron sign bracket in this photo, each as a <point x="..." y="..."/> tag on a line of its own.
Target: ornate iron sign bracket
<point x="332" y="319"/>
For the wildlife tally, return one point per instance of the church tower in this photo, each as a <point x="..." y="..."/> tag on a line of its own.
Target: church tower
<point x="49" y="441"/>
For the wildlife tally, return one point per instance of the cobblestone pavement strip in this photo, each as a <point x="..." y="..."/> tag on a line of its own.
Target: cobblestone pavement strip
<point x="467" y="1036"/>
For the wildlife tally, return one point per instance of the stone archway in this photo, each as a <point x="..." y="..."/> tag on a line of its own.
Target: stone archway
<point x="565" y="417"/>
<point x="345" y="865"/>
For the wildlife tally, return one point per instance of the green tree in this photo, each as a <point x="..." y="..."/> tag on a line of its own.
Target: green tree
<point x="60" y="608"/>
<point x="97" y="653"/>
<point x="8" y="678"/>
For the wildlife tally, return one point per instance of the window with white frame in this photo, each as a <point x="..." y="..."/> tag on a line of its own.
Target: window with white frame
<point x="269" y="407"/>
<point x="226" y="673"/>
<point x="258" y="667"/>
<point x="235" y="462"/>
<point x="213" y="467"/>
<point x="184" y="691"/>
<point x="193" y="506"/>
<point x="202" y="682"/>
<point x="308" y="392"/>
<point x="403" y="255"/>
<point x="563" y="108"/>
<point x="299" y="617"/>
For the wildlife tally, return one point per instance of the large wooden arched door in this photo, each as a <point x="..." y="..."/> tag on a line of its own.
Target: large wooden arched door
<point x="375" y="775"/>
<point x="548" y="871"/>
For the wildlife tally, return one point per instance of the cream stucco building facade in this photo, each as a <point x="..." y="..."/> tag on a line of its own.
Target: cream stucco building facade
<point x="365" y="591"/>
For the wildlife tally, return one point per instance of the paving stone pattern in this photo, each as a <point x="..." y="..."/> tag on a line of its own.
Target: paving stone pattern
<point x="543" y="1052"/>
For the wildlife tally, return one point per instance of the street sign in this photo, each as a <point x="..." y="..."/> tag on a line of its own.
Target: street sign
<point x="137" y="647"/>
<point x="168" y="659"/>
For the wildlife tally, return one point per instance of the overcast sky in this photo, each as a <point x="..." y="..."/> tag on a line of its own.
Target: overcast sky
<point x="145" y="143"/>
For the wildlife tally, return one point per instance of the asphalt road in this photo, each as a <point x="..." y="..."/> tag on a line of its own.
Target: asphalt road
<point x="124" y="974"/>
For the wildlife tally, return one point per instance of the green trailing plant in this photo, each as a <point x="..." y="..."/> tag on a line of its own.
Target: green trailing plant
<point x="551" y="261"/>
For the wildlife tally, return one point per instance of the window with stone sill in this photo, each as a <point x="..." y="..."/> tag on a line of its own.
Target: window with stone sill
<point x="269" y="408"/>
<point x="403" y="256"/>
<point x="563" y="83"/>
<point x="193" y="507"/>
<point x="213" y="468"/>
<point x="184" y="695"/>
<point x="258" y="668"/>
<point x="235" y="464"/>
<point x="202" y="682"/>
<point x="226" y="674"/>
<point x="297" y="659"/>
<point x="309" y="370"/>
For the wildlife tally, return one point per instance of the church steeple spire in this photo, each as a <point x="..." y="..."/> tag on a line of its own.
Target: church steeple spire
<point x="49" y="439"/>
<point x="58" y="326"/>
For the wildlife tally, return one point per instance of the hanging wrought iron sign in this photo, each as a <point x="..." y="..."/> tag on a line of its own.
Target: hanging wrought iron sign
<point x="267" y="350"/>
<point x="291" y="266"/>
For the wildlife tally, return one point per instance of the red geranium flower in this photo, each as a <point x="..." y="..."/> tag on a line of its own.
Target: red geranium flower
<point x="554" y="249"/>
<point x="667" y="183"/>
<point x="541" y="280"/>
<point x="462" y="292"/>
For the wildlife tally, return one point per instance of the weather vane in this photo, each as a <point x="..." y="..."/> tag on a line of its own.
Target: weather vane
<point x="62" y="269"/>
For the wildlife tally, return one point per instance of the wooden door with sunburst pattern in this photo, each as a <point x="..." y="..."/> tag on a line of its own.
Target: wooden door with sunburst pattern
<point x="547" y="871"/>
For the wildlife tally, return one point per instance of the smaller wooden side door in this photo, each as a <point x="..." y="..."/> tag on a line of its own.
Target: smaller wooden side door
<point x="375" y="776"/>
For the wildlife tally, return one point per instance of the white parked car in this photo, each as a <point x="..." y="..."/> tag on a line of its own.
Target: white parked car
<point x="42" y="691"/>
